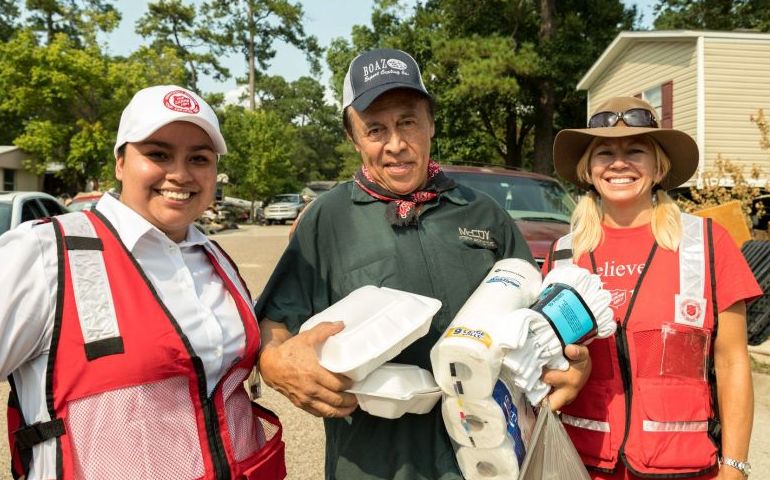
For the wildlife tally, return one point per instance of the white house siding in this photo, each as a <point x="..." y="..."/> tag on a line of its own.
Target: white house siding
<point x="736" y="86"/>
<point x="648" y="63"/>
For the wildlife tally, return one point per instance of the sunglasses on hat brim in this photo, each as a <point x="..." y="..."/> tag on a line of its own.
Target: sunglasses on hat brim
<point x="634" y="117"/>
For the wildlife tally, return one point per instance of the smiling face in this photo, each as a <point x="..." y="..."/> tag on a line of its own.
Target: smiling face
<point x="393" y="137"/>
<point x="624" y="171"/>
<point x="170" y="177"/>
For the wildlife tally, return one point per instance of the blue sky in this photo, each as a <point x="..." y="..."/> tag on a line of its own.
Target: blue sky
<point x="326" y="19"/>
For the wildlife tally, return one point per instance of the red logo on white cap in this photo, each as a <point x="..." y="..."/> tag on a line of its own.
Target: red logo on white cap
<point x="181" y="101"/>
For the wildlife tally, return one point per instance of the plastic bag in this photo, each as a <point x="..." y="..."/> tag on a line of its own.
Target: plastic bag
<point x="551" y="454"/>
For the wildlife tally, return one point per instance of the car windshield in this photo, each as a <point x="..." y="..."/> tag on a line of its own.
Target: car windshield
<point x="524" y="198"/>
<point x="286" y="198"/>
<point x="5" y="217"/>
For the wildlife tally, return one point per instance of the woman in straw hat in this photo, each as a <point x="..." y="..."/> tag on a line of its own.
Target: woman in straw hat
<point x="126" y="332"/>
<point x="670" y="395"/>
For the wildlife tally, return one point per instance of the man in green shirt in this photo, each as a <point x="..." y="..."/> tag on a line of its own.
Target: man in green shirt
<point x="400" y="224"/>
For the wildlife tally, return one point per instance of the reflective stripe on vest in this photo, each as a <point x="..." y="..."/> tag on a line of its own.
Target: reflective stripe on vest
<point x="652" y="426"/>
<point x="562" y="253"/>
<point x="588" y="424"/>
<point x="91" y="286"/>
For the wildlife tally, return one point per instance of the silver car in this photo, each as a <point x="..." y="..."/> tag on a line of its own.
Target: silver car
<point x="283" y="207"/>
<point x="19" y="207"/>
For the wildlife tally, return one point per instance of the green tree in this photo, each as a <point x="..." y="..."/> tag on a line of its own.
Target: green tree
<point x="80" y="20"/>
<point x="171" y="23"/>
<point x="252" y="27"/>
<point x="302" y="104"/>
<point x="261" y="147"/>
<point x="65" y="100"/>
<point x="713" y="15"/>
<point x="9" y="15"/>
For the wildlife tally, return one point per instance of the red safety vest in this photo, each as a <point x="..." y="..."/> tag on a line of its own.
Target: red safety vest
<point x="660" y="425"/>
<point x="126" y="393"/>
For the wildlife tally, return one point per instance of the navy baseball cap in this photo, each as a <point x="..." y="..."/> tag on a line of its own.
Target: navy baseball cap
<point x="375" y="72"/>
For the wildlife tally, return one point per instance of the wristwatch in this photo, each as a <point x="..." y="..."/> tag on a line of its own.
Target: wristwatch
<point x="743" y="467"/>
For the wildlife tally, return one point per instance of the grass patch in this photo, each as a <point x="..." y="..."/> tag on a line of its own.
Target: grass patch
<point x="759" y="367"/>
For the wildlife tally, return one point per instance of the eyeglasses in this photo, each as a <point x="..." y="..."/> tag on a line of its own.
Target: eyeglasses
<point x="634" y="117"/>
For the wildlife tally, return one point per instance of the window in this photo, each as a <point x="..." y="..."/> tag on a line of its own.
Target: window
<point x="9" y="179"/>
<point x="51" y="207"/>
<point x="31" y="210"/>
<point x="661" y="98"/>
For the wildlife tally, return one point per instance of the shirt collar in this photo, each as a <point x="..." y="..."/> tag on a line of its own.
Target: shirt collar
<point x="131" y="226"/>
<point x="454" y="195"/>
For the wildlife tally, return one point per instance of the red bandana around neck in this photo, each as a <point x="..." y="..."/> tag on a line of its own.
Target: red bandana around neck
<point x="402" y="209"/>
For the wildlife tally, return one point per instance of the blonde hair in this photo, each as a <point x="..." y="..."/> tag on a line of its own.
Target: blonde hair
<point x="586" y="220"/>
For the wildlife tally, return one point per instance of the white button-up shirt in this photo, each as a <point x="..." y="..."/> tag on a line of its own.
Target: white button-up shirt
<point x="181" y="273"/>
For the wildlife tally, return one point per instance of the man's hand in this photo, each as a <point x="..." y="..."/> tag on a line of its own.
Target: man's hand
<point x="291" y="367"/>
<point x="565" y="386"/>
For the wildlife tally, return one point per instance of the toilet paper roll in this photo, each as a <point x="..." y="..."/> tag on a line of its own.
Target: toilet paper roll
<point x="488" y="463"/>
<point x="489" y="422"/>
<point x="466" y="360"/>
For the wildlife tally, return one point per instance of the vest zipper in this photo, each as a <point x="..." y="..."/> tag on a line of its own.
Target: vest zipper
<point x="217" y="450"/>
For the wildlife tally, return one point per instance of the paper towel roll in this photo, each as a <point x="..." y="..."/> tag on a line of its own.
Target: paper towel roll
<point x="488" y="422"/>
<point x="511" y="283"/>
<point x="488" y="463"/>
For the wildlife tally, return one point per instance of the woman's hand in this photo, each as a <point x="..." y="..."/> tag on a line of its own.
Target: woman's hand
<point x="565" y="386"/>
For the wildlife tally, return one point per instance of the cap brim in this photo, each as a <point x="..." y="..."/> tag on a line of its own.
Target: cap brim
<point x="363" y="101"/>
<point x="681" y="149"/>
<point x="220" y="147"/>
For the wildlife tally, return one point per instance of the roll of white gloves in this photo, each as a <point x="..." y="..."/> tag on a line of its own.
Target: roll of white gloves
<point x="572" y="308"/>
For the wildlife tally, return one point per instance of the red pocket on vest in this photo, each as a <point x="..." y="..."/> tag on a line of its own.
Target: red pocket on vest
<point x="674" y="423"/>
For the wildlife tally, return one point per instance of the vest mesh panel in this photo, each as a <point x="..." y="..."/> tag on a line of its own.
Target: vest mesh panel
<point x="124" y="433"/>
<point x="650" y="343"/>
<point x="246" y="434"/>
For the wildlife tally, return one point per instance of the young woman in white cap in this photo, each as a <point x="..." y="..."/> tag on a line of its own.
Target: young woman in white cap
<point x="670" y="395"/>
<point x="126" y="333"/>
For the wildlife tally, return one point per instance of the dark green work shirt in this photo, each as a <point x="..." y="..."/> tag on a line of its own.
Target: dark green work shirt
<point x="344" y="242"/>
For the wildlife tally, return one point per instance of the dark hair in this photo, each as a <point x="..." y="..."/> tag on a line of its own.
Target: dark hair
<point x="349" y="128"/>
<point x="121" y="153"/>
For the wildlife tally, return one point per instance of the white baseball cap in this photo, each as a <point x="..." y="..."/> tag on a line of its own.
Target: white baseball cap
<point x="155" y="107"/>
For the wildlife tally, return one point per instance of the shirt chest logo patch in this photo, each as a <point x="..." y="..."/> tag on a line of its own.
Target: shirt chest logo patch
<point x="618" y="298"/>
<point x="476" y="237"/>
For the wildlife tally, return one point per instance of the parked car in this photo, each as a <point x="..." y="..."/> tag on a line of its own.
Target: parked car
<point x="540" y="206"/>
<point x="281" y="208"/>
<point x="19" y="207"/>
<point x="84" y="202"/>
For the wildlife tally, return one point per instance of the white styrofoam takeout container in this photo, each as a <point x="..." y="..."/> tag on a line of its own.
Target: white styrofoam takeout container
<point x="379" y="323"/>
<point x="394" y="389"/>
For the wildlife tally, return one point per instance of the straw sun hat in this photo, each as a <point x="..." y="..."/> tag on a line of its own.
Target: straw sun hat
<point x="681" y="149"/>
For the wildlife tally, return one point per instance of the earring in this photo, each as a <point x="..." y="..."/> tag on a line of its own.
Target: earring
<point x="654" y="199"/>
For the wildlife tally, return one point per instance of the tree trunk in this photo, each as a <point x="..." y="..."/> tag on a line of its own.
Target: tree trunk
<point x="252" y="100"/>
<point x="546" y="101"/>
<point x="512" y="144"/>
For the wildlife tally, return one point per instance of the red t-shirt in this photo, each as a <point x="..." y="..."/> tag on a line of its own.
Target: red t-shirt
<point x="621" y="256"/>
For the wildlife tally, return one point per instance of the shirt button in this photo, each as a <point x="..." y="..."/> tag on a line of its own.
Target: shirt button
<point x="219" y="351"/>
